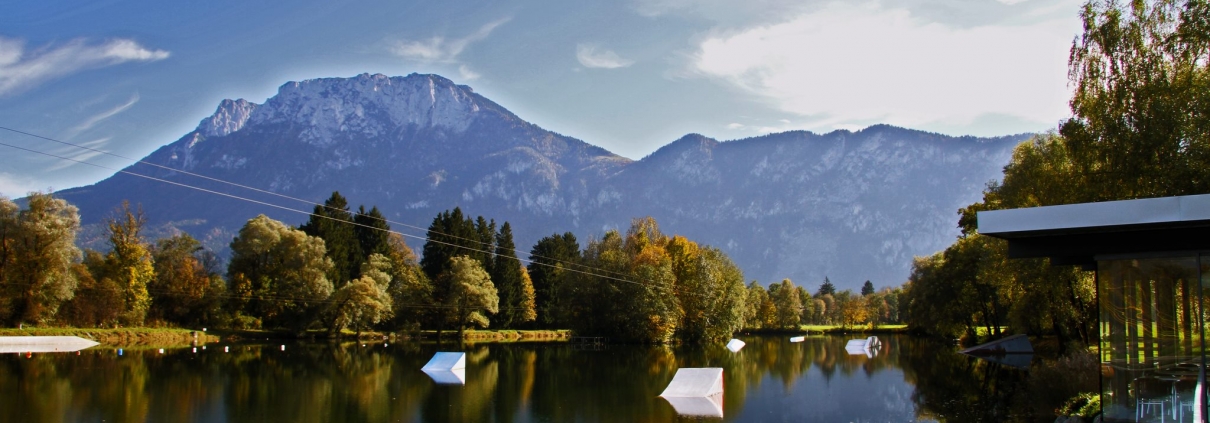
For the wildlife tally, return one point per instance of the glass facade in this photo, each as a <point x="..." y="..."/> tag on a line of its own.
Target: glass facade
<point x="1152" y="343"/>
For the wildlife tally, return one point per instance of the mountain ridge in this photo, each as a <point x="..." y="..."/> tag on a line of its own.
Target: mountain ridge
<point x="847" y="205"/>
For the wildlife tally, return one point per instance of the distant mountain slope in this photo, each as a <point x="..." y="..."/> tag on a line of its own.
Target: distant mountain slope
<point x="849" y="205"/>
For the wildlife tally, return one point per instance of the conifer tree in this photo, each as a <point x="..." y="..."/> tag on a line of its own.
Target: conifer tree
<point x="332" y="223"/>
<point x="867" y="289"/>
<point x="372" y="232"/>
<point x="826" y="288"/>
<point x="549" y="261"/>
<point x="506" y="272"/>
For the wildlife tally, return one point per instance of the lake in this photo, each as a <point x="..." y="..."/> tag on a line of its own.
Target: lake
<point x="769" y="380"/>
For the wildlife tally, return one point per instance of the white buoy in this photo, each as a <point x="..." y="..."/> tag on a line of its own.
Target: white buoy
<point x="226" y="349"/>
<point x="195" y="350"/>
<point x="798" y="339"/>
<point x="283" y="347"/>
<point x="161" y="350"/>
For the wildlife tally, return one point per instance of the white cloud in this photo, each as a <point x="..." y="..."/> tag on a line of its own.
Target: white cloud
<point x="14" y="186"/>
<point x="850" y="63"/>
<point x="76" y="155"/>
<point x="21" y="70"/>
<point x="441" y="49"/>
<point x="95" y="119"/>
<point x="589" y="57"/>
<point x="467" y="73"/>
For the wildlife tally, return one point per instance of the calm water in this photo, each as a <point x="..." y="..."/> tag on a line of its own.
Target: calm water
<point x="770" y="380"/>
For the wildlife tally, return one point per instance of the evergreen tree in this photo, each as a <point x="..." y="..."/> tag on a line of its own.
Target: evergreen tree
<point x="372" y="232"/>
<point x="549" y="261"/>
<point x="332" y="223"/>
<point x="826" y="288"/>
<point x="867" y="289"/>
<point x="506" y="272"/>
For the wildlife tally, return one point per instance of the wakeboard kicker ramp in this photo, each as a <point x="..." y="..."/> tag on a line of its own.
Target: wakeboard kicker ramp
<point x="696" y="391"/>
<point x="44" y="344"/>
<point x="447" y="368"/>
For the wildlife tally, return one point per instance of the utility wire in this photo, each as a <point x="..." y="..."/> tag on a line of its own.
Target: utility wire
<point x="309" y="213"/>
<point x="304" y="201"/>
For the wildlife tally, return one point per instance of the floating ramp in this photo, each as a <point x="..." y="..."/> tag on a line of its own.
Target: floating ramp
<point x="1016" y="344"/>
<point x="447" y="368"/>
<point x="44" y="344"/>
<point x="798" y="338"/>
<point x="1015" y="351"/>
<point x="868" y="346"/>
<point x="735" y="345"/>
<point x="696" y="392"/>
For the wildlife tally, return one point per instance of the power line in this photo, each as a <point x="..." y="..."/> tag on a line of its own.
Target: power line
<point x="304" y="201"/>
<point x="306" y="212"/>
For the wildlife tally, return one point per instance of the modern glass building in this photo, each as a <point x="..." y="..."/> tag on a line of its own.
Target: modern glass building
<point x="1151" y="258"/>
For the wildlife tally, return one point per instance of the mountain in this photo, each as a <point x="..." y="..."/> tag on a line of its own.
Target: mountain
<point x="852" y="206"/>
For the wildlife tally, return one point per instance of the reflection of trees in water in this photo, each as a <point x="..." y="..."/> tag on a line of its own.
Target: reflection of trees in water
<point x="951" y="387"/>
<point x="504" y="383"/>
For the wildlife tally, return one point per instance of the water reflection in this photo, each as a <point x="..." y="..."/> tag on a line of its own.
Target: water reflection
<point x="770" y="379"/>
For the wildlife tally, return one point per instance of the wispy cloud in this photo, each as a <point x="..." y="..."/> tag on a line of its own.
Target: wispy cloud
<point x="851" y="63"/>
<point x="22" y="70"/>
<point x="97" y="118"/>
<point x="589" y="57"/>
<point x="79" y="155"/>
<point x="440" y="49"/>
<point x="467" y="73"/>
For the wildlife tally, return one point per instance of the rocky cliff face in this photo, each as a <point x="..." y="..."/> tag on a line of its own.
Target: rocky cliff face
<point x="849" y="205"/>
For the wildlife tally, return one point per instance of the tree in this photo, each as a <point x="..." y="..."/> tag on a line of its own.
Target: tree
<point x="1140" y="122"/>
<point x="363" y="302"/>
<point x="789" y="304"/>
<point x="372" y="231"/>
<point x="278" y="274"/>
<point x="472" y="294"/>
<point x="550" y="260"/>
<point x="450" y="235"/>
<point x="867" y="289"/>
<point x="129" y="262"/>
<point x="516" y="292"/>
<point x="187" y="288"/>
<point x="826" y="288"/>
<point x="37" y="252"/>
<point x="333" y="223"/>
<point x="411" y="290"/>
<point x="710" y="291"/>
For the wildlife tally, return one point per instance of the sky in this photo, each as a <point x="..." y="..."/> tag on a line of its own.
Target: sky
<point x="127" y="77"/>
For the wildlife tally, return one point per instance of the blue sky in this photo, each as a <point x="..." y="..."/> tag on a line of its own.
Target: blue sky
<point x="630" y="75"/>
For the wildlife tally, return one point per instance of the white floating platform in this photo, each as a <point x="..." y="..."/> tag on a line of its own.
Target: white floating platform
<point x="696" y="392"/>
<point x="44" y="344"/>
<point x="447" y="377"/>
<point x="446" y="361"/>
<point x="735" y="345"/>
<point x="798" y="338"/>
<point x="447" y="368"/>
<point x="868" y="347"/>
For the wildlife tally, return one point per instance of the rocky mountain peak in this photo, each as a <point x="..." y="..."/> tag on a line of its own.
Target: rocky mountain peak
<point x="230" y="116"/>
<point x="370" y="105"/>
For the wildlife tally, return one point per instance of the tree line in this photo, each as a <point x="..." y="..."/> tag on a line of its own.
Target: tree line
<point x="1140" y="129"/>
<point x="347" y="270"/>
